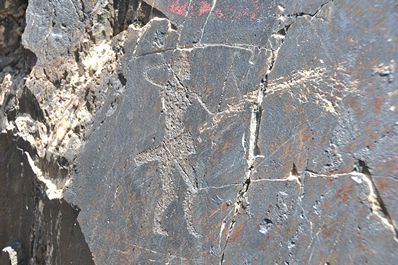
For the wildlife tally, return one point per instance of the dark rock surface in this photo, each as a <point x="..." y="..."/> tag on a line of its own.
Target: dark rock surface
<point x="199" y="132"/>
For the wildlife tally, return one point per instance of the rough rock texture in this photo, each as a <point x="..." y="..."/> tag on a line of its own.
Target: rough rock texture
<point x="198" y="132"/>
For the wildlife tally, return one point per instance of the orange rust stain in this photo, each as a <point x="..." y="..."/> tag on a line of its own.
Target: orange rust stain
<point x="213" y="211"/>
<point x="303" y="136"/>
<point x="386" y="183"/>
<point x="346" y="167"/>
<point x="329" y="259"/>
<point x="382" y="184"/>
<point x="264" y="243"/>
<point x="237" y="231"/>
<point x="326" y="231"/>
<point x="226" y="146"/>
<point x="329" y="181"/>
<point x="379" y="26"/>
<point x="286" y="152"/>
<point x="224" y="206"/>
<point x="387" y="167"/>
<point x="278" y="228"/>
<point x="355" y="105"/>
<point x="325" y="205"/>
<point x="216" y="226"/>
<point x="371" y="133"/>
<point x="349" y="148"/>
<point x="378" y="104"/>
<point x="361" y="246"/>
<point x="392" y="165"/>
<point x="344" y="192"/>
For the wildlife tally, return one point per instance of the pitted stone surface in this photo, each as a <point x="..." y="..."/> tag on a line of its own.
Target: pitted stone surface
<point x="200" y="132"/>
<point x="247" y="135"/>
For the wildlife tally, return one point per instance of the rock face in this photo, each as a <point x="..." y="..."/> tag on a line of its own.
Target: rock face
<point x="198" y="132"/>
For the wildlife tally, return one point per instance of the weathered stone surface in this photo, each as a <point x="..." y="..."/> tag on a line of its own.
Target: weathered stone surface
<point x="199" y="132"/>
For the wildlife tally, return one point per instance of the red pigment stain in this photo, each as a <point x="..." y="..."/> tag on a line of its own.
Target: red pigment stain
<point x="180" y="7"/>
<point x="204" y="8"/>
<point x="176" y="7"/>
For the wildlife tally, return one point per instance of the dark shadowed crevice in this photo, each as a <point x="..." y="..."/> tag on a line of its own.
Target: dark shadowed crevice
<point x="29" y="218"/>
<point x="30" y="223"/>
<point x="16" y="194"/>
<point x="57" y="231"/>
<point x="12" y="24"/>
<point x="364" y="169"/>
<point x="313" y="14"/>
<point x="27" y="103"/>
<point x="133" y="12"/>
<point x="16" y="62"/>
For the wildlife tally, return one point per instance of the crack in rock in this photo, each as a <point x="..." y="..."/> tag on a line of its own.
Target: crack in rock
<point x="241" y="201"/>
<point x="378" y="206"/>
<point x="313" y="14"/>
<point x="276" y="42"/>
<point x="167" y="163"/>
